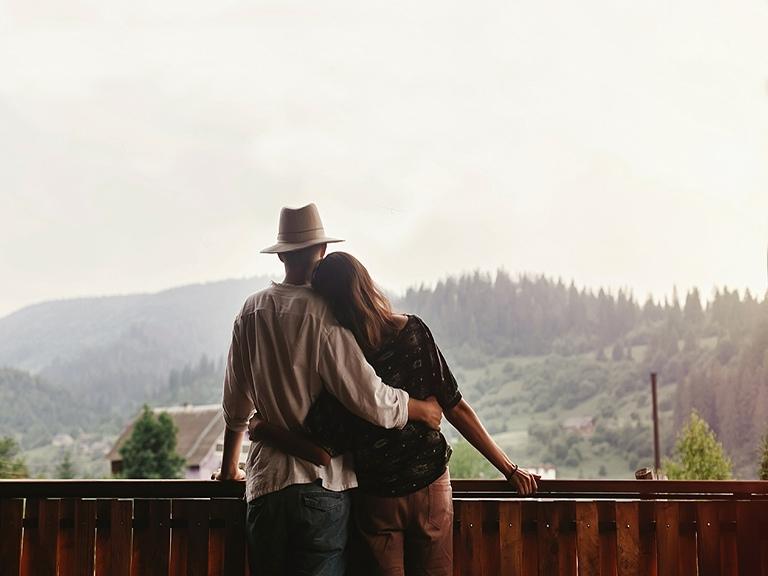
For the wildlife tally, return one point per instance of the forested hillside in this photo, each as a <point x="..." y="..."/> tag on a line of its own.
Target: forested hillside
<point x="114" y="353"/>
<point x="558" y="373"/>
<point x="712" y="356"/>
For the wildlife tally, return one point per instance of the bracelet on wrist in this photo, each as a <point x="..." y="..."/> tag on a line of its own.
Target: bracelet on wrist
<point x="512" y="472"/>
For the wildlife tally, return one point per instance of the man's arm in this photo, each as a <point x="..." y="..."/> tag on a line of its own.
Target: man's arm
<point x="293" y="443"/>
<point x="238" y="407"/>
<point x="348" y="376"/>
<point x="230" y="458"/>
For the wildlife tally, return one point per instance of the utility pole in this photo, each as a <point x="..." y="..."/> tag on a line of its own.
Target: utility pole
<point x="656" y="450"/>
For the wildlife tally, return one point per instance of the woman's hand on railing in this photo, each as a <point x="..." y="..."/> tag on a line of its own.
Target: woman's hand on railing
<point x="523" y="480"/>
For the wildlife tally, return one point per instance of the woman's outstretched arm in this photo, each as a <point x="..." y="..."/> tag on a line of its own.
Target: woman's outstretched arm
<point x="293" y="443"/>
<point x="465" y="420"/>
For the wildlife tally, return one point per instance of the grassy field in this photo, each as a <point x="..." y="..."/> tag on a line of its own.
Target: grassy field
<point x="504" y="392"/>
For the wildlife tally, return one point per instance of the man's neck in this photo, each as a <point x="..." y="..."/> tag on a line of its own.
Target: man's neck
<point x="297" y="278"/>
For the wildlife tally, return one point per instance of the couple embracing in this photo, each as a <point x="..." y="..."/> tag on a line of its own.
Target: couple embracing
<point x="342" y="398"/>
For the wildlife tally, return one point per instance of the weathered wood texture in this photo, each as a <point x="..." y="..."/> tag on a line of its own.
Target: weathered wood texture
<point x="80" y="536"/>
<point x="492" y="536"/>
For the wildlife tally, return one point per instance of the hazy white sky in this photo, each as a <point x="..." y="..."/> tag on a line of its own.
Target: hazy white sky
<point x="148" y="144"/>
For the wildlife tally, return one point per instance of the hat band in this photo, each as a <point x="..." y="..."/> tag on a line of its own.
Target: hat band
<point x="301" y="236"/>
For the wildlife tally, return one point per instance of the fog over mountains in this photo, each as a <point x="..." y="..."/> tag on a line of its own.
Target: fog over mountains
<point x="531" y="353"/>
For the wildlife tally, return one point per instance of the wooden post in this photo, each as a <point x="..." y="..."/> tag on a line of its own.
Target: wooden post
<point x="656" y="449"/>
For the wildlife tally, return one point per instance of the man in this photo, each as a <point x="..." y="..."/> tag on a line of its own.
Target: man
<point x="286" y="347"/>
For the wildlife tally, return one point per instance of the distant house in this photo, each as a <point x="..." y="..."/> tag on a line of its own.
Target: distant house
<point x="199" y="439"/>
<point x="584" y="425"/>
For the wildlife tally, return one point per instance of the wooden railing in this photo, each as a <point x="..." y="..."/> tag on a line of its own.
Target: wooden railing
<point x="621" y="528"/>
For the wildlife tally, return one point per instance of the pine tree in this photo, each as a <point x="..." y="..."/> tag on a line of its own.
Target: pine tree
<point x="763" y="471"/>
<point x="698" y="454"/>
<point x="11" y="464"/>
<point x="150" y="452"/>
<point x="66" y="468"/>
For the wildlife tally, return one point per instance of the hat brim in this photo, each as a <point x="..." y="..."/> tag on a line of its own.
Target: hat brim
<point x="282" y="247"/>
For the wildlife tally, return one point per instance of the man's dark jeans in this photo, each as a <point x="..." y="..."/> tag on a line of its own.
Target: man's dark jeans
<point x="300" y="530"/>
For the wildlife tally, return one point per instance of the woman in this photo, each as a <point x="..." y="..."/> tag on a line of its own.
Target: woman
<point x="403" y="509"/>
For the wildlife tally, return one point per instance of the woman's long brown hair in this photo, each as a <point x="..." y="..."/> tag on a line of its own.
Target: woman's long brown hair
<point x="355" y="300"/>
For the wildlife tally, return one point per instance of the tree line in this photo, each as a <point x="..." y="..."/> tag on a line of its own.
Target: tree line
<point x="714" y="350"/>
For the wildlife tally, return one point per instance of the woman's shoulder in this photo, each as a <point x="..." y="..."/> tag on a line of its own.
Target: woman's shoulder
<point x="401" y="321"/>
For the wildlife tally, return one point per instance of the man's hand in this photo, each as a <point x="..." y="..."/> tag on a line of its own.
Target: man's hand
<point x="427" y="411"/>
<point x="524" y="481"/>
<point x="221" y="477"/>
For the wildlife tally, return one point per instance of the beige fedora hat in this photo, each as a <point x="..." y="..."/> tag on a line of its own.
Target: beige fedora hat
<point x="299" y="228"/>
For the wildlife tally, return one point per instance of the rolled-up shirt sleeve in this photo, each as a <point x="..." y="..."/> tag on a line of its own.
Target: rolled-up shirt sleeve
<point x="348" y="376"/>
<point x="237" y="402"/>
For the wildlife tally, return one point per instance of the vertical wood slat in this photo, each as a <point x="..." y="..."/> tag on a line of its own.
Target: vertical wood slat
<point x="471" y="539"/>
<point x="568" y="563"/>
<point x="510" y="539"/>
<point x="628" y="539"/>
<point x="648" y="540"/>
<point x="66" y="540"/>
<point x="763" y="514"/>
<point x="458" y="552"/>
<point x="189" y="537"/>
<point x="151" y="537"/>
<point x="548" y="527"/>
<point x="490" y="526"/>
<point x="606" y="512"/>
<point x="11" y="516"/>
<point x="748" y="537"/>
<point x="587" y="539"/>
<point x="668" y="536"/>
<point x="113" y="538"/>
<point x="530" y="539"/>
<point x="77" y="525"/>
<point x="729" y="556"/>
<point x="40" y="537"/>
<point x="708" y="533"/>
<point x="687" y="559"/>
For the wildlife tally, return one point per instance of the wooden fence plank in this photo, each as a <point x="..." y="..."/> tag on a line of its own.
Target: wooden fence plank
<point x="510" y="538"/>
<point x="471" y="539"/>
<point x="668" y="535"/>
<point x="548" y="527"/>
<point x="491" y="559"/>
<point x="708" y="533"/>
<point x="151" y="537"/>
<point x="40" y="537"/>
<point x="729" y="556"/>
<point x="687" y="558"/>
<point x="648" y="542"/>
<point x="113" y="537"/>
<point x="189" y="537"/>
<point x="587" y="539"/>
<point x="628" y="539"/>
<point x="763" y="515"/>
<point x="748" y="536"/>
<point x="66" y="542"/>
<point x="216" y="540"/>
<point x="458" y="553"/>
<point x="567" y="560"/>
<point x="530" y="539"/>
<point x="85" y="534"/>
<point x="11" y="516"/>
<point x="606" y="512"/>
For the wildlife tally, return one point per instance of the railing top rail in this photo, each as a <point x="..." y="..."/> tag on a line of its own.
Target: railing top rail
<point x="561" y="489"/>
